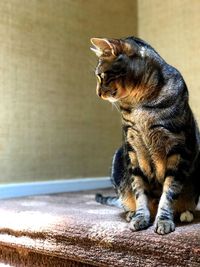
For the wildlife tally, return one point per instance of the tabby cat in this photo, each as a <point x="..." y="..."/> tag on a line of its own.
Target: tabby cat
<point x="156" y="170"/>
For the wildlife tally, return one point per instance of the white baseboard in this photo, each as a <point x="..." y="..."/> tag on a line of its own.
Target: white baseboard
<point x="51" y="187"/>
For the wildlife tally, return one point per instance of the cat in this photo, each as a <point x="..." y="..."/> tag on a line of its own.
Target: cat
<point x="156" y="170"/>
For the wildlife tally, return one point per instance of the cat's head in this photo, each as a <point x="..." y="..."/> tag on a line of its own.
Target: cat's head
<point x="114" y="56"/>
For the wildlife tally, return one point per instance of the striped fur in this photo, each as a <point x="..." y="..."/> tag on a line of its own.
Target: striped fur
<point x="156" y="170"/>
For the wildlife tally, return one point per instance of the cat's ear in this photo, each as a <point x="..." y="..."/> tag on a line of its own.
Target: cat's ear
<point x="110" y="47"/>
<point x="102" y="47"/>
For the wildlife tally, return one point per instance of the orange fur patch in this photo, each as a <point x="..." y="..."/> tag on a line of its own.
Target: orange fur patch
<point x="173" y="161"/>
<point x="128" y="201"/>
<point x="133" y="159"/>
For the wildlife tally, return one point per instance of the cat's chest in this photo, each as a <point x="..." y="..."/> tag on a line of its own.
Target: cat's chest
<point x="150" y="143"/>
<point x="148" y="129"/>
<point x="140" y="123"/>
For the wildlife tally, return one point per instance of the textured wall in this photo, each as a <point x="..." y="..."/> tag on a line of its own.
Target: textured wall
<point x="52" y="125"/>
<point x="173" y="28"/>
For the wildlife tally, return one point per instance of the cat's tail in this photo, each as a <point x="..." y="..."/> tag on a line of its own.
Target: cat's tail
<point x="110" y="201"/>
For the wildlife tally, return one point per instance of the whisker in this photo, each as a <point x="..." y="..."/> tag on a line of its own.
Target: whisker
<point x="115" y="105"/>
<point x="91" y="66"/>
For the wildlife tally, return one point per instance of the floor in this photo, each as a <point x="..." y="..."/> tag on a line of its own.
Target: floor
<point x="74" y="228"/>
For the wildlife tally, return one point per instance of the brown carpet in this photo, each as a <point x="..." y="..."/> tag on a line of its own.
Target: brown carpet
<point x="72" y="230"/>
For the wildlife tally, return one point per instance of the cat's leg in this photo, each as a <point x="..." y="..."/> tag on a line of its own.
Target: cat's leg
<point x="118" y="168"/>
<point x="128" y="202"/>
<point x="119" y="178"/>
<point x="141" y="218"/>
<point x="184" y="206"/>
<point x="189" y="198"/>
<point x="129" y="215"/>
<point x="164" y="222"/>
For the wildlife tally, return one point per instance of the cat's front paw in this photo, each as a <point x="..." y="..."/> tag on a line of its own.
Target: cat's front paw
<point x="129" y="215"/>
<point x="139" y="222"/>
<point x="163" y="227"/>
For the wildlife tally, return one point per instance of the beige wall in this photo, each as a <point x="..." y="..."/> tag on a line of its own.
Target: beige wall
<point x="173" y="28"/>
<point x="52" y="125"/>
